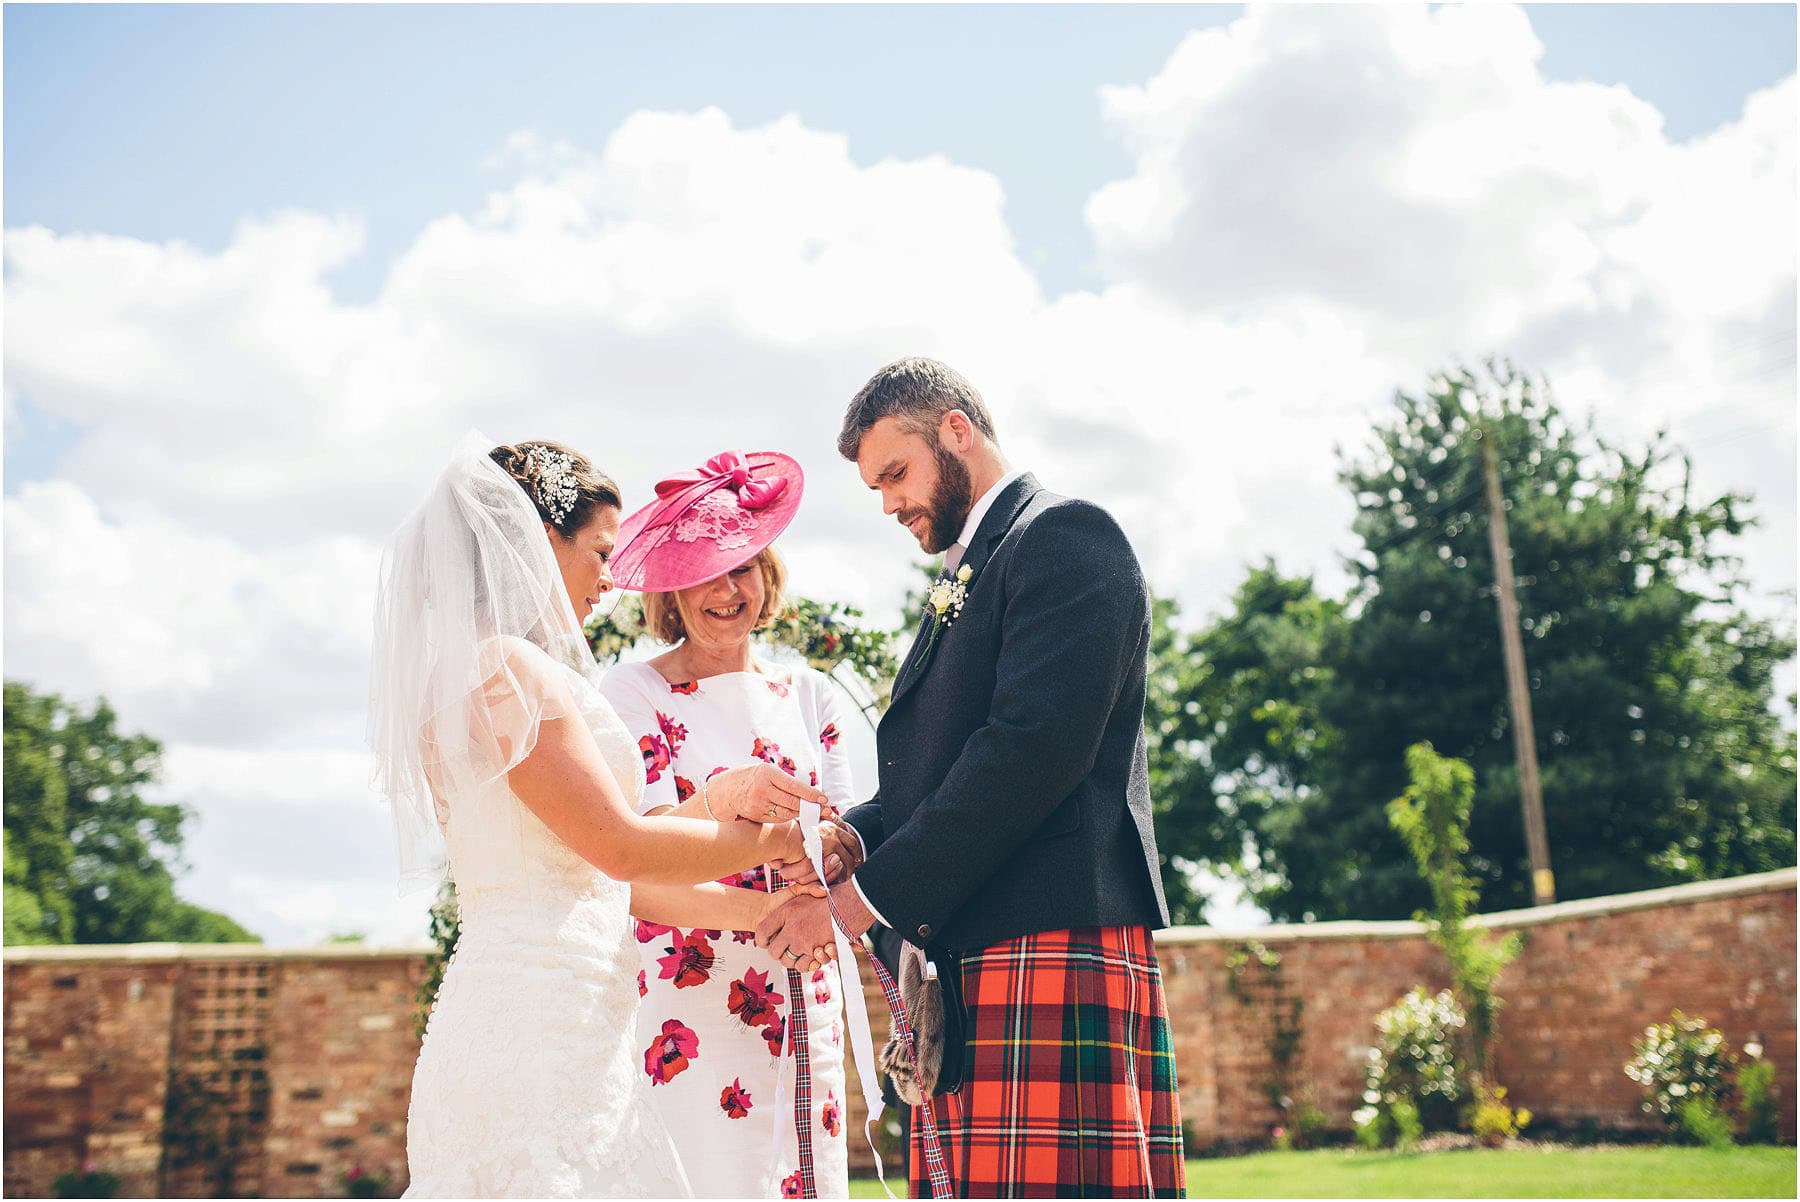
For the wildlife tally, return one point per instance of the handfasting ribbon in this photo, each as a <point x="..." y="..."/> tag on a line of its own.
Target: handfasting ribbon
<point x="935" y="1169"/>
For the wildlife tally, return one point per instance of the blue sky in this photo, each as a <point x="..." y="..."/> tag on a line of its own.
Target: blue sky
<point x="1178" y="288"/>
<point x="175" y="122"/>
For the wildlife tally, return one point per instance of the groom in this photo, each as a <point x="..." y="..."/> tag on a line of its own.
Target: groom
<point x="1010" y="834"/>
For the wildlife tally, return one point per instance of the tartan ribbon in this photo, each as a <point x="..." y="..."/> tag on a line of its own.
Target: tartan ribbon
<point x="799" y="1042"/>
<point x="934" y="1152"/>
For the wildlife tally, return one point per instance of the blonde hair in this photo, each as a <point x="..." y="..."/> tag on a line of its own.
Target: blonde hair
<point x="662" y="615"/>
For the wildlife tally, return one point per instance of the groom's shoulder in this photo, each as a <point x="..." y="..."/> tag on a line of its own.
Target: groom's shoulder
<point x="1073" y="520"/>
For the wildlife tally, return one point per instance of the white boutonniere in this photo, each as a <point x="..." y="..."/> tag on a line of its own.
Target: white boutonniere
<point x="945" y="600"/>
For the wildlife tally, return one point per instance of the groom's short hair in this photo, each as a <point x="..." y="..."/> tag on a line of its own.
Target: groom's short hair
<point x="919" y="392"/>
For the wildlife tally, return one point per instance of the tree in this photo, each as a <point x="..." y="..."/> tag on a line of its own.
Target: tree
<point x="83" y="845"/>
<point x="1663" y="757"/>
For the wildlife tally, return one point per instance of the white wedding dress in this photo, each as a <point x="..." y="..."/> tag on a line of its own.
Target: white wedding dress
<point x="531" y="1082"/>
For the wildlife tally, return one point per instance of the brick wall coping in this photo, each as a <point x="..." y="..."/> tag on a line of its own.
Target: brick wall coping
<point x="1780" y="881"/>
<point x="166" y="953"/>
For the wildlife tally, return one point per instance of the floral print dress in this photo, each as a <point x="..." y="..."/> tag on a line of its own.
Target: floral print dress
<point x="716" y="1008"/>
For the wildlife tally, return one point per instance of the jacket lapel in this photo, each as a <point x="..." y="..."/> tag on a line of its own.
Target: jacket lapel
<point x="994" y="525"/>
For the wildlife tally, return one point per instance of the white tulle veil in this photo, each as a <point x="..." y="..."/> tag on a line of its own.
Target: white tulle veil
<point x="469" y="593"/>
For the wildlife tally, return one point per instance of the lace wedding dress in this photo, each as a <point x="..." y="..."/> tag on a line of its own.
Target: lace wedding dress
<point x="531" y="1082"/>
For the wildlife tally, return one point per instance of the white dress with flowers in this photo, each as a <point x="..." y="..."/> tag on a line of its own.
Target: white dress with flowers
<point x="716" y="1008"/>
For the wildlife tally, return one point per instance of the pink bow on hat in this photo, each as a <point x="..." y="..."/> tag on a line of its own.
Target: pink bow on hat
<point x="726" y="470"/>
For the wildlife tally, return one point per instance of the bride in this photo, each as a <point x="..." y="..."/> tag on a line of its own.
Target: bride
<point x="504" y="763"/>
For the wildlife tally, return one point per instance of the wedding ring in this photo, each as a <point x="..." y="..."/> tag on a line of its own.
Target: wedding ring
<point x="771" y="811"/>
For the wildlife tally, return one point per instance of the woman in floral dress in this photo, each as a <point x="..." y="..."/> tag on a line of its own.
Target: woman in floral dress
<point x="754" y="1099"/>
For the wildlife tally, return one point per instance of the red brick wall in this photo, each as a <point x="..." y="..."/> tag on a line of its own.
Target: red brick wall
<point x="93" y="1033"/>
<point x="1592" y="975"/>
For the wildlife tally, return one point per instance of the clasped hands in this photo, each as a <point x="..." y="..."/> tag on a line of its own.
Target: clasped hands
<point x="799" y="930"/>
<point x="796" y="927"/>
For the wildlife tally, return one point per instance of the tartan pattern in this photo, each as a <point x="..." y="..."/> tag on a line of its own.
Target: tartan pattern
<point x="797" y="1039"/>
<point x="929" y="1151"/>
<point x="1069" y="1073"/>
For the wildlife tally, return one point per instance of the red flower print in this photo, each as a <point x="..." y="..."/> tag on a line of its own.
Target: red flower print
<point x="764" y="750"/>
<point x="790" y="1186"/>
<point x="647" y="931"/>
<point x="833" y="1115"/>
<point x="750" y="878"/>
<point x="714" y="773"/>
<point x="753" y="999"/>
<point x="684" y="788"/>
<point x="656" y="758"/>
<point x="779" y="688"/>
<point x="821" y="987"/>
<point x="743" y="936"/>
<point x="672" y="730"/>
<point x="671" y="1052"/>
<point x="812" y="778"/>
<point x="774" y="1034"/>
<point x="689" y="963"/>
<point x="734" y="1100"/>
<point x="686" y="688"/>
<point x="642" y="988"/>
<point x="829" y="736"/>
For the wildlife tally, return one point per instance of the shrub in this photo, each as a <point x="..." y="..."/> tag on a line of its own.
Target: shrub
<point x="88" y="1183"/>
<point x="1494" y="1121"/>
<point x="1702" y="1123"/>
<point x="1415" y="1057"/>
<point x="1677" y="1062"/>
<point x="1756" y="1097"/>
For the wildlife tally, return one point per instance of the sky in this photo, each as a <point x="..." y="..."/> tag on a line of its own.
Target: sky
<point x="265" y="265"/>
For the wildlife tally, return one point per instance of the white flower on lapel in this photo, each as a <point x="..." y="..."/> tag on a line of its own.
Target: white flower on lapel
<point x="945" y="600"/>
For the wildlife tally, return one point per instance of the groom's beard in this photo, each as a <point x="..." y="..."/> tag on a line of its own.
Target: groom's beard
<point x="951" y="501"/>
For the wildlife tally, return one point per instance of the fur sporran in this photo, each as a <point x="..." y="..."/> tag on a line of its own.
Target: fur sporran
<point x="935" y="1014"/>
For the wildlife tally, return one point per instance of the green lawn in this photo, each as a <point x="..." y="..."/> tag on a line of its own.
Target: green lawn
<point x="1524" y="1172"/>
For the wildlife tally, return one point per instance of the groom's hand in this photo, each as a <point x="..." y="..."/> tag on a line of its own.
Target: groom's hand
<point x="794" y="930"/>
<point x="842" y="848"/>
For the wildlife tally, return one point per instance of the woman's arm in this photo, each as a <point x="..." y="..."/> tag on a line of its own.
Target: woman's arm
<point x="566" y="783"/>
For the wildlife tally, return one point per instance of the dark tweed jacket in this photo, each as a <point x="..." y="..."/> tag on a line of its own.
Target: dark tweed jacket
<point x="1014" y="791"/>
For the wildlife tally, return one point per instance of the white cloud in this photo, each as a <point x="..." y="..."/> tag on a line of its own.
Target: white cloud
<point x="1326" y="204"/>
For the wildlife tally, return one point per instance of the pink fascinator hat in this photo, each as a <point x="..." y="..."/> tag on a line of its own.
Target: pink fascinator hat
<point x="708" y="521"/>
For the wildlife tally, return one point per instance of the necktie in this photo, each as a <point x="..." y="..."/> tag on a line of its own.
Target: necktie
<point x="953" y="557"/>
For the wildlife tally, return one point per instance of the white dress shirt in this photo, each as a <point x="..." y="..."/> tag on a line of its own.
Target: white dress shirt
<point x="952" y="558"/>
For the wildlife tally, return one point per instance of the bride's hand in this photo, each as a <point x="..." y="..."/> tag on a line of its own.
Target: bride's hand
<point x="795" y="866"/>
<point x="759" y="792"/>
<point x="819" y="956"/>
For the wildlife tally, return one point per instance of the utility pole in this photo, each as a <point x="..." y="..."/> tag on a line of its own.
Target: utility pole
<point x="1531" y="793"/>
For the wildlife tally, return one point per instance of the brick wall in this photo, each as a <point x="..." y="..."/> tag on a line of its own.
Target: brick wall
<point x="322" y="1046"/>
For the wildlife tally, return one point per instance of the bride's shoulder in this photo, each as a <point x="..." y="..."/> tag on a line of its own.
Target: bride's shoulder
<point x="513" y="664"/>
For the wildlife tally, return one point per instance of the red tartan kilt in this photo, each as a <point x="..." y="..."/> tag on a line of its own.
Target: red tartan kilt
<point x="1069" y="1076"/>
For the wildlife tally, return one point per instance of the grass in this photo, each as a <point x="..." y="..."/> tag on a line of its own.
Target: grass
<point x="1523" y="1172"/>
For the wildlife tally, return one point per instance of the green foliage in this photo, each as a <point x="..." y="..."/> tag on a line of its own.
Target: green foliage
<point x="1372" y="1128"/>
<point x="1432" y="818"/>
<point x="446" y="929"/>
<point x="215" y="1117"/>
<point x="1756" y="1100"/>
<point x="1283" y="1087"/>
<point x="1279" y="728"/>
<point x="1701" y="1122"/>
<point x="88" y="858"/>
<point x="1417" y="1059"/>
<point x="360" y="1184"/>
<point x="1408" y="1126"/>
<point x="1678" y="1061"/>
<point x="89" y="1183"/>
<point x="1493" y="1120"/>
<point x="825" y="633"/>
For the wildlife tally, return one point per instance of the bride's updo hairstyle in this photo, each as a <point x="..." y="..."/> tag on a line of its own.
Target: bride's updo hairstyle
<point x="564" y="486"/>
